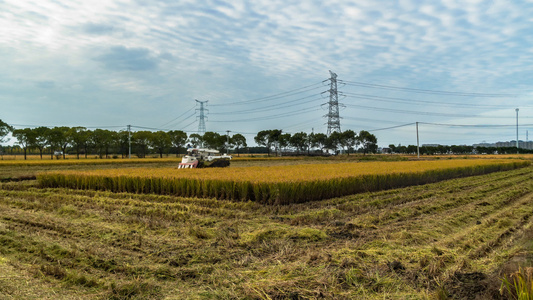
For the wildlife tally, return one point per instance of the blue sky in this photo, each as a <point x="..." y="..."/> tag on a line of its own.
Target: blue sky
<point x="262" y="65"/>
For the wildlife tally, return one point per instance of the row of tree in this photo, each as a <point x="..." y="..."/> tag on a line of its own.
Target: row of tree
<point x="102" y="142"/>
<point x="431" y="150"/>
<point x="80" y="140"/>
<point x="301" y="142"/>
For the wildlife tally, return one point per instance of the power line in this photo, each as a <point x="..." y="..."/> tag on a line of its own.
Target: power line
<point x="274" y="97"/>
<point x="423" y="112"/>
<point x="418" y="102"/>
<point x="178" y="117"/>
<point x="472" y="125"/>
<point x="270" y="107"/>
<point x="372" y="120"/>
<point x="297" y="112"/>
<point x="301" y="124"/>
<point x="189" y="124"/>
<point x="181" y="121"/>
<point x="392" y="127"/>
<point x="424" y="91"/>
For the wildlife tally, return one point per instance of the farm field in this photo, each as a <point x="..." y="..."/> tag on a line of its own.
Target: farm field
<point x="275" y="184"/>
<point x="455" y="237"/>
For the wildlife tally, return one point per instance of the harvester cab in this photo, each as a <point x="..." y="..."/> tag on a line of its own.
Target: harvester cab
<point x="204" y="158"/>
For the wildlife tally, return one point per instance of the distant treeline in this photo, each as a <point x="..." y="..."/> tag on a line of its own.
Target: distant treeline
<point x="80" y="141"/>
<point x="454" y="149"/>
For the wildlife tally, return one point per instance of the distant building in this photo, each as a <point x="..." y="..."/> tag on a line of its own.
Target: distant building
<point x="521" y="144"/>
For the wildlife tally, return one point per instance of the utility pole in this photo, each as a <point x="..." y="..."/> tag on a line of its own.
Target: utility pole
<point x="517" y="131"/>
<point x="417" y="142"/>
<point x="129" y="141"/>
<point x="310" y="140"/>
<point x="201" y="124"/>
<point x="227" y="141"/>
<point x="333" y="123"/>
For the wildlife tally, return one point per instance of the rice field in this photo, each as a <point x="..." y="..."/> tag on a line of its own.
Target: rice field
<point x="276" y="185"/>
<point x="452" y="239"/>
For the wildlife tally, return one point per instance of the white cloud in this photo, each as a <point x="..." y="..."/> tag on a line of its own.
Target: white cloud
<point x="119" y="50"/>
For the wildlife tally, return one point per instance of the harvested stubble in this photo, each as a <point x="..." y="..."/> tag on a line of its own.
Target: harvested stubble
<point x="276" y="185"/>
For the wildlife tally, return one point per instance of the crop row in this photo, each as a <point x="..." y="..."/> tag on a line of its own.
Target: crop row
<point x="275" y="185"/>
<point x="407" y="243"/>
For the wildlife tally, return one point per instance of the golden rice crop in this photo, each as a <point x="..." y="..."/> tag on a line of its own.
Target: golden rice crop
<point x="275" y="184"/>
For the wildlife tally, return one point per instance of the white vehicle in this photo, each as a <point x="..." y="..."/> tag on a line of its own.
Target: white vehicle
<point x="204" y="158"/>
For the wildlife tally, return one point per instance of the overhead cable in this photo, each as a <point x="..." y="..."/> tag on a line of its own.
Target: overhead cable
<point x="418" y="102"/>
<point x="178" y="117"/>
<point x="392" y="127"/>
<point x="270" y="107"/>
<point x="424" y="91"/>
<point x="274" y="97"/>
<point x="423" y="112"/>
<point x="270" y="117"/>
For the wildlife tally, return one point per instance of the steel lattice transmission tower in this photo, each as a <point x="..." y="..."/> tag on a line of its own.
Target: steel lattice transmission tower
<point x="334" y="123"/>
<point x="202" y="118"/>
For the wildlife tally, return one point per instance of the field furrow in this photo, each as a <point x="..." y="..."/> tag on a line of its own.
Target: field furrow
<point x="399" y="243"/>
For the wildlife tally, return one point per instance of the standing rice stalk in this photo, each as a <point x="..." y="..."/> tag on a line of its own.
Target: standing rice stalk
<point x="275" y="185"/>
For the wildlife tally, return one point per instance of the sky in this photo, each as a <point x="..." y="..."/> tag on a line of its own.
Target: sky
<point x="458" y="68"/>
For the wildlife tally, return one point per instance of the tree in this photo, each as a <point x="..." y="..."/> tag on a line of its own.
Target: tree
<point x="273" y="138"/>
<point x="392" y="148"/>
<point x="443" y="149"/>
<point x="411" y="149"/>
<point x="58" y="139"/>
<point x="5" y="129"/>
<point x="122" y="142"/>
<point x="262" y="139"/>
<point x="402" y="149"/>
<point x="40" y="140"/>
<point x="284" y="141"/>
<point x="142" y="141"/>
<point x="368" y="141"/>
<point x="77" y="138"/>
<point x="195" y="139"/>
<point x="299" y="141"/>
<point x="178" y="139"/>
<point x="239" y="141"/>
<point x="349" y="140"/>
<point x="25" y="138"/>
<point x="102" y="140"/>
<point x="88" y="141"/>
<point x="319" y="140"/>
<point x="214" y="140"/>
<point x="160" y="141"/>
<point x="308" y="142"/>
<point x="333" y="141"/>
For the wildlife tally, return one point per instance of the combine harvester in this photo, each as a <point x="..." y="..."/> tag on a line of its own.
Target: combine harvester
<point x="204" y="158"/>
